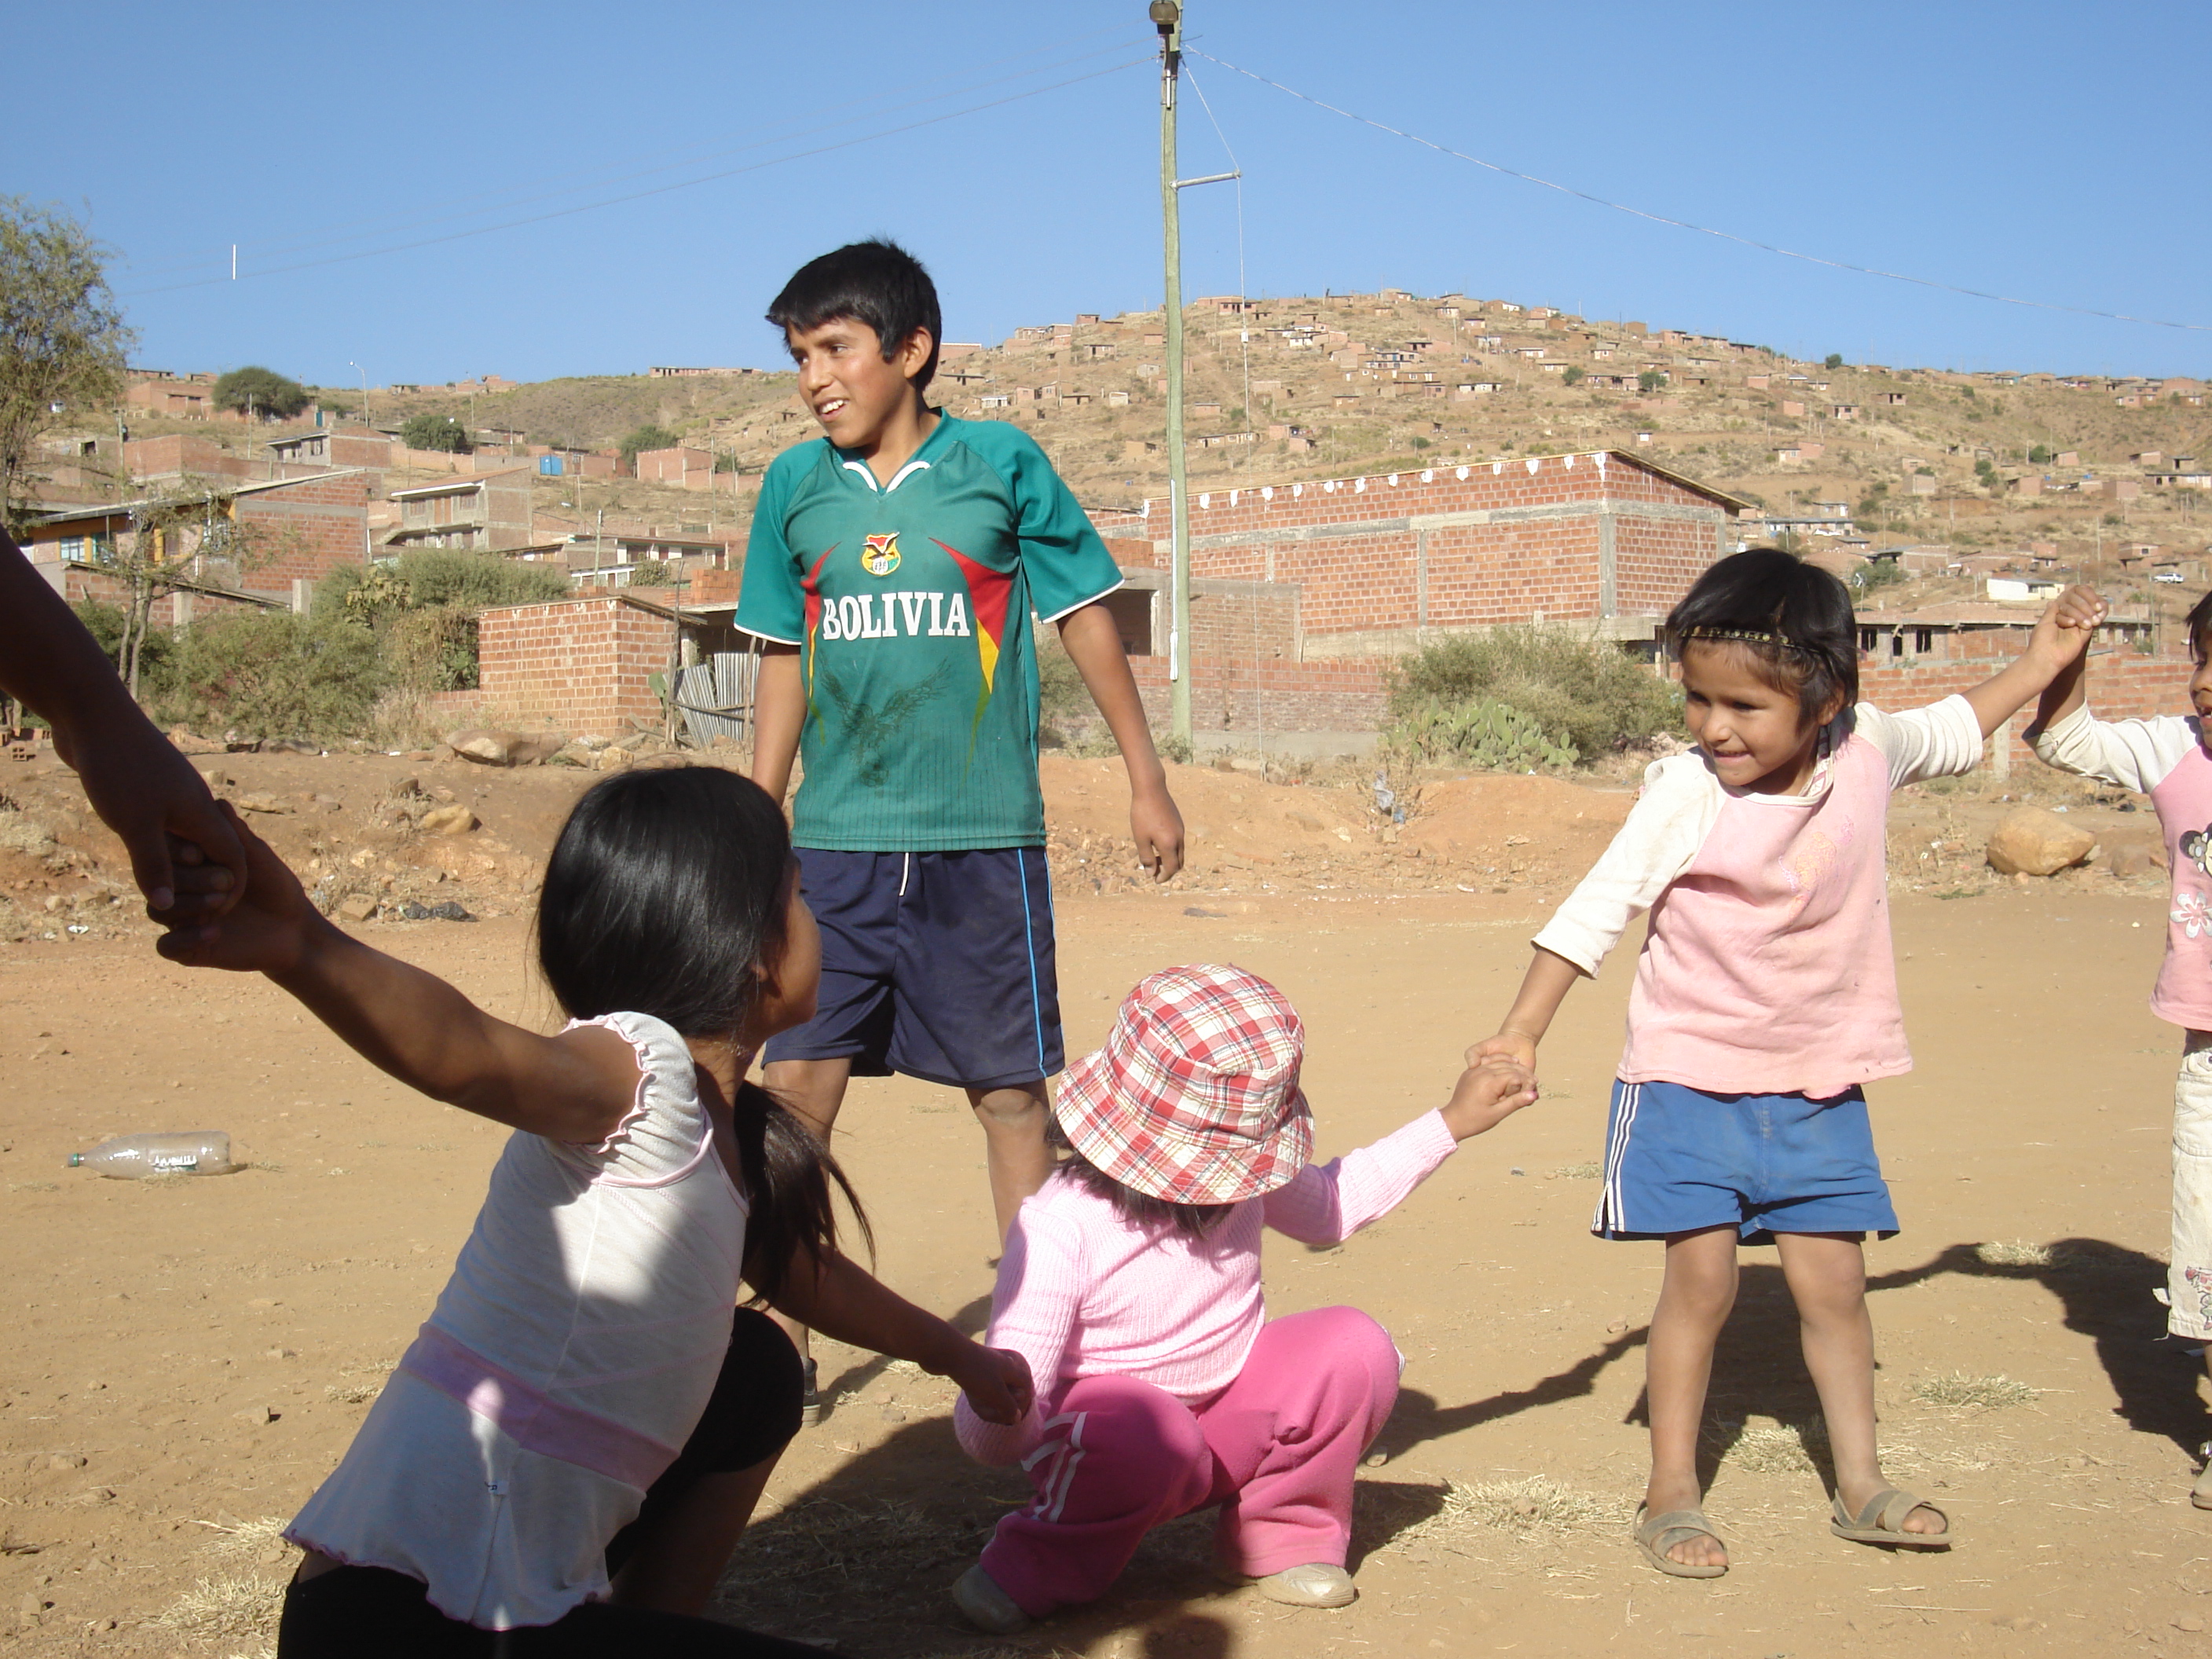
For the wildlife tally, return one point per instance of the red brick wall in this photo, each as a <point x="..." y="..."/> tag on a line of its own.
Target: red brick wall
<point x="1246" y="699"/>
<point x="304" y="531"/>
<point x="579" y="664"/>
<point x="2121" y="686"/>
<point x="1479" y="575"/>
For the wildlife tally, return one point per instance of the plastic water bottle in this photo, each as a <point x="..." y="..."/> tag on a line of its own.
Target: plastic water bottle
<point x="133" y="1157"/>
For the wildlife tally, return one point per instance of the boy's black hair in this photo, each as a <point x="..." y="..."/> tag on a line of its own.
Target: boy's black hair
<point x="665" y="892"/>
<point x="1791" y="618"/>
<point x="1191" y="1220"/>
<point x="2200" y="627"/>
<point x="876" y="283"/>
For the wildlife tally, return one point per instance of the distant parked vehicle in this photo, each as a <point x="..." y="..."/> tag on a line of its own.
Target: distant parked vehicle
<point x="2174" y="577"/>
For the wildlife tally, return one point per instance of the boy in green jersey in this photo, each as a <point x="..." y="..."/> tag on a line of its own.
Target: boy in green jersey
<point x="892" y="571"/>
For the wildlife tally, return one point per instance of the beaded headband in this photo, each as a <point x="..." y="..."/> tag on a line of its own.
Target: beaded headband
<point x="1746" y="637"/>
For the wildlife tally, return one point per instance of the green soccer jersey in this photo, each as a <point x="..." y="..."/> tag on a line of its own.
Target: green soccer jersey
<point x="910" y="604"/>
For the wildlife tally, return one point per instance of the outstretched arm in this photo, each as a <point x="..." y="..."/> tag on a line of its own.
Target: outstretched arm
<point x="2062" y="635"/>
<point x="574" y="1087"/>
<point x="1094" y="645"/>
<point x="848" y="1304"/>
<point x="1543" y="988"/>
<point x="141" y="786"/>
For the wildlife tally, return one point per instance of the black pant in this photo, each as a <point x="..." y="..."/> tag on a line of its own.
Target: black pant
<point x="372" y="1612"/>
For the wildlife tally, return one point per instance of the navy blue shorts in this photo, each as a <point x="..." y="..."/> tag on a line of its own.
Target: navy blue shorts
<point x="1678" y="1160"/>
<point x="938" y="965"/>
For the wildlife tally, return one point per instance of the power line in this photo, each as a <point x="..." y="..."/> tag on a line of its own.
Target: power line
<point x="1684" y="224"/>
<point x="612" y="172"/>
<point x="641" y="195"/>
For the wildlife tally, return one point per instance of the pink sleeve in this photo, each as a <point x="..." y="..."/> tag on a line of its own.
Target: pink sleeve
<point x="1033" y="1311"/>
<point x="1326" y="1203"/>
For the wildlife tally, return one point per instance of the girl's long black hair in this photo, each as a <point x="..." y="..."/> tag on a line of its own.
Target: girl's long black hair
<point x="666" y="895"/>
<point x="1193" y="1221"/>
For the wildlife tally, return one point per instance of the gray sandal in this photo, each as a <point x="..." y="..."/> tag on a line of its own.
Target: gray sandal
<point x="1657" y="1533"/>
<point x="1881" y="1520"/>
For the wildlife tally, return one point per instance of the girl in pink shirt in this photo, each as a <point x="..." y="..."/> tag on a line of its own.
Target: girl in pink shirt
<point x="1131" y="1284"/>
<point x="1766" y="995"/>
<point x="2168" y="758"/>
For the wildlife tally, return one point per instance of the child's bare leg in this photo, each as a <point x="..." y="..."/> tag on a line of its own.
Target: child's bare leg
<point x="680" y="1553"/>
<point x="815" y="1090"/>
<point x="1827" y="1274"/>
<point x="1013" y="1122"/>
<point x="1694" y="1300"/>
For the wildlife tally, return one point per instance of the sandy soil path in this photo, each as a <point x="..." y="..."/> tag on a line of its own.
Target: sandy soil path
<point x="186" y="1358"/>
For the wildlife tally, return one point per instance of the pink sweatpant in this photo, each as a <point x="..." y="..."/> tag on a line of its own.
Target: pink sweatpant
<point x="1277" y="1450"/>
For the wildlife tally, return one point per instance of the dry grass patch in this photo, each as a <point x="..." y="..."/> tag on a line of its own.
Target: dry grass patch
<point x="1959" y="1392"/>
<point x="1577" y="1172"/>
<point x="245" y="1538"/>
<point x="229" y="1608"/>
<point x="1767" y="1446"/>
<point x="2020" y="1252"/>
<point x="1533" y="1505"/>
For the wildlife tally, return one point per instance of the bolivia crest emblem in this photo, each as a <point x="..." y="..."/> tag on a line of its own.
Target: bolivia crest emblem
<point x="879" y="556"/>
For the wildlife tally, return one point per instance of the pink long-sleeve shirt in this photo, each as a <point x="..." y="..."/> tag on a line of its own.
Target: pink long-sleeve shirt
<point x="1083" y="1292"/>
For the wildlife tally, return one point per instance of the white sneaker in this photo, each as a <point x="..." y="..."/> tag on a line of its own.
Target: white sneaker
<point x="1316" y="1584"/>
<point x="985" y="1606"/>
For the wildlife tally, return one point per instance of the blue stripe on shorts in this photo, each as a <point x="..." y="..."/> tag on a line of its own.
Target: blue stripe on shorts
<point x="1680" y="1160"/>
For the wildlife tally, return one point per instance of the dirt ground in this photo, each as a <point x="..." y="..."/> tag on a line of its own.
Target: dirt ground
<point x="188" y="1356"/>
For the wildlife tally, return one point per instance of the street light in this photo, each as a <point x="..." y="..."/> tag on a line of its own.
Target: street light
<point x="363" y="373"/>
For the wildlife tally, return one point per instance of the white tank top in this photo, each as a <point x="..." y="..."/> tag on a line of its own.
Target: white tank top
<point x="568" y="1361"/>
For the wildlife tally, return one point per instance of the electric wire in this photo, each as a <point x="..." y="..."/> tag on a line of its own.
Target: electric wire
<point x="386" y="228"/>
<point x="1684" y="224"/>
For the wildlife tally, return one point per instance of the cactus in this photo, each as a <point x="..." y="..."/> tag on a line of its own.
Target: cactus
<point x="1489" y="735"/>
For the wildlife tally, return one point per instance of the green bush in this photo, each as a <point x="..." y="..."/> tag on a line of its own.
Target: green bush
<point x="271" y="674"/>
<point x="649" y="436"/>
<point x="156" y="655"/>
<point x="438" y="432"/>
<point x="1876" y="572"/>
<point x="421" y="610"/>
<point x="1581" y="695"/>
<point x="1649" y="381"/>
<point x="1061" y="694"/>
<point x="264" y="390"/>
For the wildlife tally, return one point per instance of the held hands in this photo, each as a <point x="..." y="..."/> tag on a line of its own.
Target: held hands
<point x="148" y="795"/>
<point x="1490" y="1091"/>
<point x="996" y="1381"/>
<point x="266" y="932"/>
<point x="2062" y="632"/>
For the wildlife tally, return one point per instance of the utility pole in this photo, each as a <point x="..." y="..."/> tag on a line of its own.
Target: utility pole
<point x="1167" y="17"/>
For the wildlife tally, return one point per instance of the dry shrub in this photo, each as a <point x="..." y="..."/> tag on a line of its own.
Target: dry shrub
<point x="1533" y="1505"/>
<point x="1585" y="694"/>
<point x="21" y="833"/>
<point x="1577" y="1172"/>
<point x="1959" y="1392"/>
<point x="2021" y="1253"/>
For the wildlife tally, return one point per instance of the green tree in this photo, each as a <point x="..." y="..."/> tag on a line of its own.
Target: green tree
<point x="63" y="342"/>
<point x="648" y="436"/>
<point x="260" y="390"/>
<point x="1651" y="380"/>
<point x="439" y="432"/>
<point x="1572" y="376"/>
<point x="2040" y="456"/>
<point x="1833" y="359"/>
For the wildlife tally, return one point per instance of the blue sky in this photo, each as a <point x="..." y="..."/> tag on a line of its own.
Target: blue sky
<point x="2022" y="149"/>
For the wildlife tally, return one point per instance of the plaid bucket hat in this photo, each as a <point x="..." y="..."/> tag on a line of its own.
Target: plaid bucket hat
<point x="1194" y="1099"/>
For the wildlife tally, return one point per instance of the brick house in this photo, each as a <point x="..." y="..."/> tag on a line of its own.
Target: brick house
<point x="491" y="511"/>
<point x="265" y="543"/>
<point x="683" y="466"/>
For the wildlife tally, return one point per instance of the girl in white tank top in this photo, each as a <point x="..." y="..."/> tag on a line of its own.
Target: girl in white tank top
<point x="565" y="1454"/>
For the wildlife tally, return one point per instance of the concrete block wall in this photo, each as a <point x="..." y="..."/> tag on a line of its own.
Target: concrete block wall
<point x="1246" y="700"/>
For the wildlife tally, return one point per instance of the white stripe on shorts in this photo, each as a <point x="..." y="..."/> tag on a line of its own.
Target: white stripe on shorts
<point x="1611" y="1214"/>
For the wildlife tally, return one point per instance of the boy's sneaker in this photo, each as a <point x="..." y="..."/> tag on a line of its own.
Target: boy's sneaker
<point x="1316" y="1584"/>
<point x="2201" y="1493"/>
<point x="811" y="1409"/>
<point x="985" y="1606"/>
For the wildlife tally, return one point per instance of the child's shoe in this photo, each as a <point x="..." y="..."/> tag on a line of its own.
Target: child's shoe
<point x="1316" y="1584"/>
<point x="2201" y="1493"/>
<point x="985" y="1606"/>
<point x="810" y="1400"/>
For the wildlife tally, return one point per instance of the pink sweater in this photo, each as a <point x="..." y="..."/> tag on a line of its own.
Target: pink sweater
<point x="1082" y="1291"/>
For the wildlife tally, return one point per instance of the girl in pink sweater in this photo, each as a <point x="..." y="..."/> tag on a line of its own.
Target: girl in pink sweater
<point x="1765" y="996"/>
<point x="1131" y="1284"/>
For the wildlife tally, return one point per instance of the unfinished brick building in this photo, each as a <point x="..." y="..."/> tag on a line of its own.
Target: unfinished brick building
<point x="1605" y="538"/>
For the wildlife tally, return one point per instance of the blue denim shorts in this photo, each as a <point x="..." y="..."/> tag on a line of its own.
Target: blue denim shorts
<point x="1678" y="1160"/>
